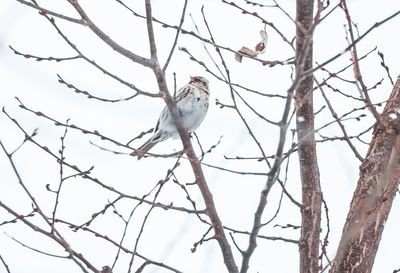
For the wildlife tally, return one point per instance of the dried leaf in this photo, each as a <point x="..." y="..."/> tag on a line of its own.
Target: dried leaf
<point x="238" y="57"/>
<point x="259" y="48"/>
<point x="245" y="51"/>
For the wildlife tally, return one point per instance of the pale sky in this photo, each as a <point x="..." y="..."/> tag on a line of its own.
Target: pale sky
<point x="169" y="235"/>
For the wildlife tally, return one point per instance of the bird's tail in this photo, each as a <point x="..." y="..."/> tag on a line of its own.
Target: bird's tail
<point x="142" y="150"/>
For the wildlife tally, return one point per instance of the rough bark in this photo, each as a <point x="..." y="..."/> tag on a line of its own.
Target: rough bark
<point x="311" y="190"/>
<point x="373" y="196"/>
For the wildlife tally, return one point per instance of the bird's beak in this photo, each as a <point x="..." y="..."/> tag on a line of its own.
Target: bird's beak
<point x="192" y="79"/>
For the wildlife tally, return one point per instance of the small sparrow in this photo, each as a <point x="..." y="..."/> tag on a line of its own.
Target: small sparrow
<point x="192" y="103"/>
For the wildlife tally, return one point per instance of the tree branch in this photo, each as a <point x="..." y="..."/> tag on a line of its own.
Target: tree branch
<point x="55" y="14"/>
<point x="194" y="161"/>
<point x="372" y="200"/>
<point x="356" y="65"/>
<point x="376" y="25"/>
<point x="339" y="122"/>
<point x="123" y="51"/>
<point x="309" y="174"/>
<point x="5" y="264"/>
<point x="178" y="31"/>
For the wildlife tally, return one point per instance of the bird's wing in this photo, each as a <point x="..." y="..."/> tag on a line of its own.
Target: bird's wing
<point x="158" y="124"/>
<point x="163" y="116"/>
<point x="182" y="93"/>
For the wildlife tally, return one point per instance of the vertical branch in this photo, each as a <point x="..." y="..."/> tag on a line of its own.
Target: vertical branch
<point x="311" y="190"/>
<point x="62" y="179"/>
<point x="107" y="39"/>
<point x="301" y="58"/>
<point x="372" y="200"/>
<point x="150" y="30"/>
<point x="178" y="31"/>
<point x="188" y="148"/>
<point x="356" y="66"/>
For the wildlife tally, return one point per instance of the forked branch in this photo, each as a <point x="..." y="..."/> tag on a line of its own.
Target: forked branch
<point x="188" y="148"/>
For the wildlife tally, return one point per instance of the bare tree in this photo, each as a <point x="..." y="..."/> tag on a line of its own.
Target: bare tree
<point x="248" y="107"/>
<point x="373" y="197"/>
<point x="311" y="201"/>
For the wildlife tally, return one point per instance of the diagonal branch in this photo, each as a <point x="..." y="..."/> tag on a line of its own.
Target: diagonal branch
<point x="55" y="14"/>
<point x="178" y="31"/>
<point x="193" y="159"/>
<point x="274" y="172"/>
<point x="75" y="256"/>
<point x="150" y="30"/>
<point x="372" y="200"/>
<point x="339" y="122"/>
<point x="123" y="51"/>
<point x="376" y="25"/>
<point x="5" y="265"/>
<point x="356" y="65"/>
<point x="207" y="41"/>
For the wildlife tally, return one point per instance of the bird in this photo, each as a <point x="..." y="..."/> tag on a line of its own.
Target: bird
<point x="192" y="101"/>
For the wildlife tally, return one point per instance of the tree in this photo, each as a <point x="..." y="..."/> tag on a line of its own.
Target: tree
<point x="127" y="219"/>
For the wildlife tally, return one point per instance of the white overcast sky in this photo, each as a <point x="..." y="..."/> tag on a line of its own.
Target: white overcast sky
<point x="170" y="235"/>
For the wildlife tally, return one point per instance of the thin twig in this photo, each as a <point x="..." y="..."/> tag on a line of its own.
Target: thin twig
<point x="191" y="33"/>
<point x="178" y="31"/>
<point x="110" y="42"/>
<point x="38" y="250"/>
<point x="5" y="264"/>
<point x="264" y="21"/>
<point x="385" y="67"/>
<point x="39" y="59"/>
<point x="74" y="255"/>
<point x="376" y="25"/>
<point x="335" y="116"/>
<point x="194" y="161"/>
<point x="86" y="175"/>
<point x="62" y="178"/>
<point x="357" y="70"/>
<point x="55" y="14"/>
<point x="274" y="172"/>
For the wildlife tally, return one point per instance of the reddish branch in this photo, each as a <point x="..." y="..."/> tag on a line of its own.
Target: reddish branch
<point x="385" y="67"/>
<point x="373" y="197"/>
<point x="274" y="172"/>
<point x="309" y="242"/>
<point x="264" y="21"/>
<point x="194" y="161"/>
<point x="339" y="122"/>
<point x="106" y="39"/>
<point x="356" y="66"/>
<point x="311" y="189"/>
<point x="73" y="254"/>
<point x="55" y="14"/>
<point x="86" y="174"/>
<point x="374" y="26"/>
<point x="178" y="31"/>
<point x="200" y="38"/>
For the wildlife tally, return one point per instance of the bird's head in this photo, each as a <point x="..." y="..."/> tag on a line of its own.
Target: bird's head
<point x="199" y="79"/>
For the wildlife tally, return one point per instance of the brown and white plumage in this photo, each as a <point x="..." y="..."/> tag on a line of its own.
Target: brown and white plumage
<point x="192" y="104"/>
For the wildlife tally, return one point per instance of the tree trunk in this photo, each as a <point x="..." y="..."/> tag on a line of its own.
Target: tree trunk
<point x="311" y="190"/>
<point x="372" y="199"/>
